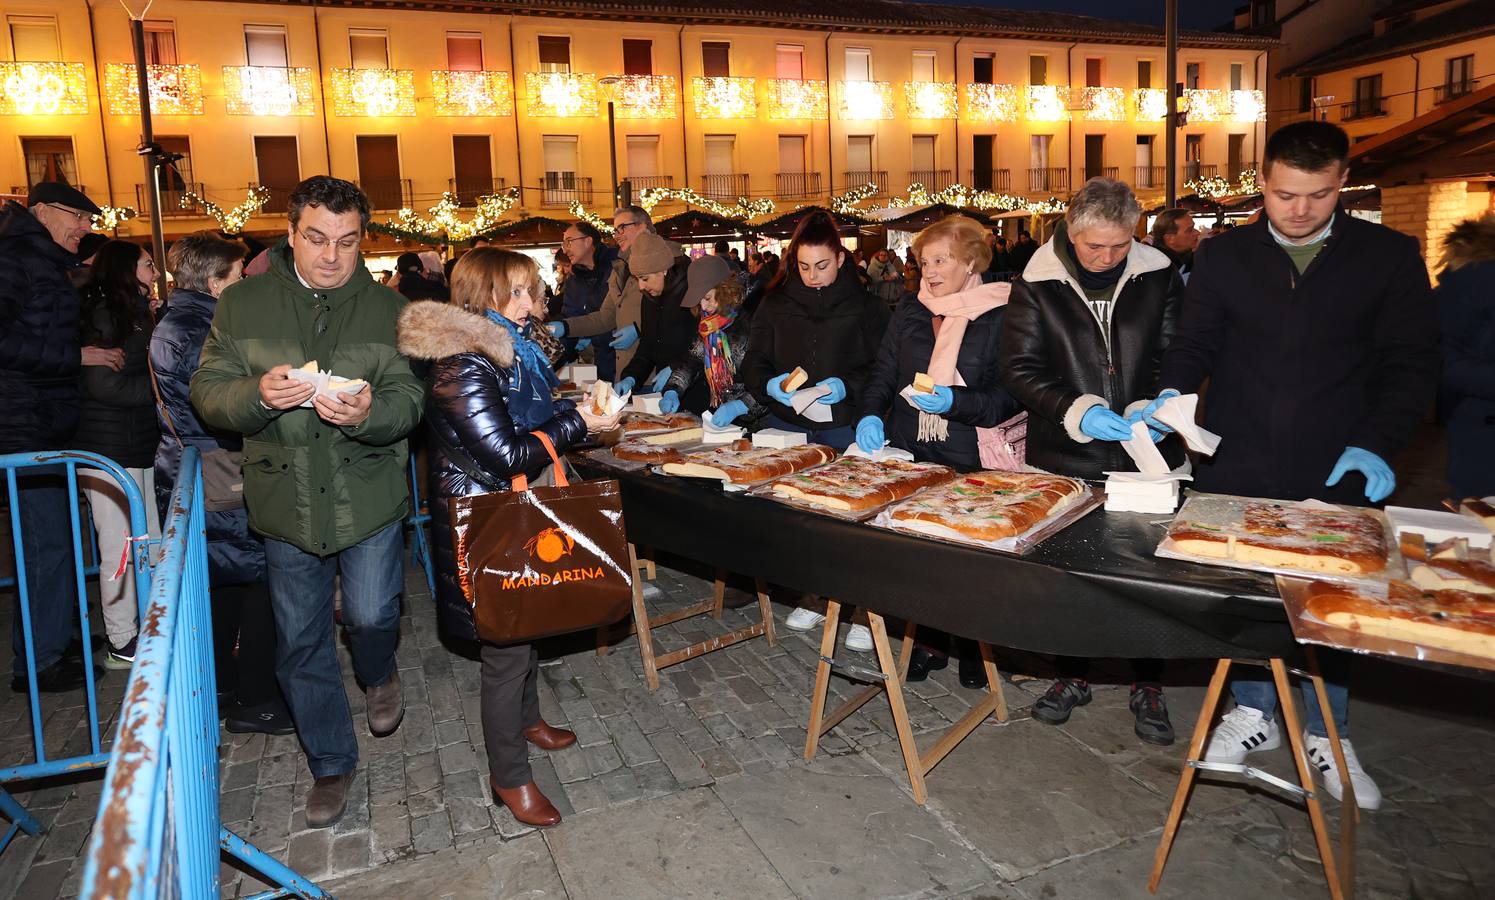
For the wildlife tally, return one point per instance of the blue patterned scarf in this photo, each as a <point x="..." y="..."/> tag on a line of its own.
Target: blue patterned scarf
<point x="529" y="401"/>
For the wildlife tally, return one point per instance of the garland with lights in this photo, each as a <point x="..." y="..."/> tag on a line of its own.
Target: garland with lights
<point x="745" y="208"/>
<point x="960" y="195"/>
<point x="850" y="200"/>
<point x="1216" y="188"/>
<point x="596" y="221"/>
<point x="443" y="221"/>
<point x="111" y="217"/>
<point x="230" y="221"/>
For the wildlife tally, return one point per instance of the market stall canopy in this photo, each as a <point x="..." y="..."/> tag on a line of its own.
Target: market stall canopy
<point x="1453" y="141"/>
<point x="782" y="226"/>
<point x="696" y="226"/>
<point x="531" y="231"/>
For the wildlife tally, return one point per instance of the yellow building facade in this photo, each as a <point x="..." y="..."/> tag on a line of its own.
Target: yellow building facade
<point x="470" y="98"/>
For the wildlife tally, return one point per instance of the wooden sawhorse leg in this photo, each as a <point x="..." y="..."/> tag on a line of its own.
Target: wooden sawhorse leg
<point x="641" y="562"/>
<point x="1339" y="877"/>
<point x="888" y="678"/>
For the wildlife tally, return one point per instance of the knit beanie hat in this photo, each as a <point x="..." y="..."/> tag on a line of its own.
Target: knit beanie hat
<point x="649" y="254"/>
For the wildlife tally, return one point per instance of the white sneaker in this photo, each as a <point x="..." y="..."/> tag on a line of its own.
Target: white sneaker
<point x="803" y="619"/>
<point x="1321" y="757"/>
<point x="1241" y="731"/>
<point x="859" y="638"/>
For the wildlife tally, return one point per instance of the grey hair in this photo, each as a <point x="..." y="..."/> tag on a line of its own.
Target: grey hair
<point x="1103" y="201"/>
<point x="198" y="258"/>
<point x="637" y="211"/>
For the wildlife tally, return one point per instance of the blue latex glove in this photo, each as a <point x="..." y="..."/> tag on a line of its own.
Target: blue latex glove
<point x="557" y="329"/>
<point x="660" y="380"/>
<point x="1153" y="432"/>
<point x="1104" y="425"/>
<point x="670" y="402"/>
<point x="1151" y="409"/>
<point x="870" y="434"/>
<point x="837" y="394"/>
<point x="583" y="344"/>
<point x="728" y="413"/>
<point x="624" y="337"/>
<point x="776" y="389"/>
<point x="938" y="402"/>
<point x="622" y="387"/>
<point x="1380" y="481"/>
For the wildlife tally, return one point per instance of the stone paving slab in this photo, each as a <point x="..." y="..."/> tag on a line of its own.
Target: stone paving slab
<point x="495" y="869"/>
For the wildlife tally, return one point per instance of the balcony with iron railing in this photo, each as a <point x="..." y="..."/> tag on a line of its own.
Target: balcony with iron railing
<point x="1049" y="180"/>
<point x="1193" y="171"/>
<point x="23" y="190"/>
<point x="932" y="179"/>
<point x="1362" y="108"/>
<point x="564" y="189"/>
<point x="1112" y="172"/>
<point x="1234" y="170"/>
<point x="469" y="190"/>
<point x="171" y="199"/>
<point x="856" y="179"/>
<point x="1453" y="90"/>
<point x="1150" y="177"/>
<point x="387" y="193"/>
<point x="724" y="187"/>
<point x="279" y="200"/>
<point x="797" y="185"/>
<point x="999" y="180"/>
<point x="640" y="183"/>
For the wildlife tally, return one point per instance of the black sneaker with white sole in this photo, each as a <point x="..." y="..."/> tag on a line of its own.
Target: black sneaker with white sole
<point x="1151" y="710"/>
<point x="1054" y="707"/>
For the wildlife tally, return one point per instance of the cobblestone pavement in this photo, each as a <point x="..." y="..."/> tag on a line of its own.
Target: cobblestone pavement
<point x="699" y="789"/>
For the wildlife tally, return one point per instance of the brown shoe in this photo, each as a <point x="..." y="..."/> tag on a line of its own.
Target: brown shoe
<point x="549" y="737"/>
<point x="327" y="800"/>
<point x="386" y="706"/>
<point x="527" y="804"/>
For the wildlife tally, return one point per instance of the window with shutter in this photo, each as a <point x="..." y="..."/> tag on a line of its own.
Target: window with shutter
<point x="923" y="68"/>
<point x="983" y="67"/>
<point x="716" y="59"/>
<point x="789" y="61"/>
<point x="464" y="51"/>
<point x="1038" y="70"/>
<point x="555" y="53"/>
<point x="858" y="64"/>
<point x="638" y="57"/>
<point x="368" y="48"/>
<point x="265" y="45"/>
<point x="160" y="43"/>
<point x="34" y="38"/>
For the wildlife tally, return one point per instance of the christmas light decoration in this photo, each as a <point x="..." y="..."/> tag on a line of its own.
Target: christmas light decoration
<point x="723" y="97"/>
<point x="930" y="99"/>
<point x="992" y="102"/>
<point x="268" y="91"/>
<point x="560" y="94"/>
<point x="962" y="196"/>
<point x="372" y="92"/>
<point x="850" y="200"/>
<point x="174" y="90"/>
<point x="1103" y="104"/>
<point x="744" y="209"/>
<point x="596" y="221"/>
<point x="1046" y="103"/>
<point x="1214" y="187"/>
<point x="1204" y="105"/>
<point x="231" y="221"/>
<point x="1247" y="106"/>
<point x="443" y="219"/>
<point x="111" y="217"/>
<point x="645" y="97"/>
<point x="866" y="100"/>
<point x="472" y="93"/>
<point x="43" y="89"/>
<point x="1151" y="104"/>
<point x="790" y="98"/>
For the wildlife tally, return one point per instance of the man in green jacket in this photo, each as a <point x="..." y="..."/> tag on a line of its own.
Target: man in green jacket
<point x="324" y="472"/>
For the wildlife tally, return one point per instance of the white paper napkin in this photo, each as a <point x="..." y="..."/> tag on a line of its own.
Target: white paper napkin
<point x="720" y="434"/>
<point x="1144" y="452"/>
<point x="1178" y="413"/>
<point x="322" y="381"/>
<point x="887" y="451"/>
<point x="804" y="402"/>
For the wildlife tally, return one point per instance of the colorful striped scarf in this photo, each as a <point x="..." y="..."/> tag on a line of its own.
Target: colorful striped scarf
<point x="719" y="372"/>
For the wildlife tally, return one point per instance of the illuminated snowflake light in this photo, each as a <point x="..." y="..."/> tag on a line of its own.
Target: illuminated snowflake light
<point x="790" y="98"/>
<point x="723" y="97"/>
<point x="372" y="92"/>
<point x="992" y="102"/>
<point x="865" y="101"/>
<point x="268" y="91"/>
<point x="174" y="90"/>
<point x="43" y="89"/>
<point x="1247" y="106"/>
<point x="1046" y="103"/>
<point x="930" y="100"/>
<point x="1204" y="105"/>
<point x="472" y="93"/>
<point x="1103" y="104"/>
<point x="1151" y="104"/>
<point x="563" y="95"/>
<point x="646" y="97"/>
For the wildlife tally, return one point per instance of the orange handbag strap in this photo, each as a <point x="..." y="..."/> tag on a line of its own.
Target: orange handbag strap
<point x="520" y="482"/>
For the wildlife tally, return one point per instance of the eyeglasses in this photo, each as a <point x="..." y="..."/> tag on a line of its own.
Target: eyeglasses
<point x="622" y="225"/>
<point x="320" y="241"/>
<point x="79" y="215"/>
<point x="567" y="240"/>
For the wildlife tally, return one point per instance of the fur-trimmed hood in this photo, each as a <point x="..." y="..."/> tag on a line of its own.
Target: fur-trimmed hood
<point x="1470" y="241"/>
<point x="431" y="330"/>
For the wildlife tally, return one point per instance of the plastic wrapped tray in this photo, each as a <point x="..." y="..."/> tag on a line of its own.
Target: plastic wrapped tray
<point x="1017" y="545"/>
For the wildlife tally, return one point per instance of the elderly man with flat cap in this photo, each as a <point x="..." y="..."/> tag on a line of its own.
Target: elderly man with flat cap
<point x="40" y="359"/>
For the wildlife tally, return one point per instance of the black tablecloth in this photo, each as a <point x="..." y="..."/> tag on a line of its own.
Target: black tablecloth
<point x="1094" y="589"/>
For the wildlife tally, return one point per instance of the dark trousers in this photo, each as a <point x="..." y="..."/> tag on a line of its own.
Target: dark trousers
<point x="1144" y="671"/>
<point x="242" y="618"/>
<point x="511" y="703"/>
<point x="51" y="579"/>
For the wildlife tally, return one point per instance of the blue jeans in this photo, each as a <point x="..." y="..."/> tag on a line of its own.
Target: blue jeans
<point x="837" y="439"/>
<point x="1261" y="693"/>
<point x="51" y="578"/>
<point x="301" y="588"/>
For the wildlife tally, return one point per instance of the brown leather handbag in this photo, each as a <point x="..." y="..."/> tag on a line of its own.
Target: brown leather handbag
<point x="538" y="561"/>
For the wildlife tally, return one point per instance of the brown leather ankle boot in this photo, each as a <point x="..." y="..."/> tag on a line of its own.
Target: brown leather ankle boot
<point x="527" y="804"/>
<point x="549" y="737"/>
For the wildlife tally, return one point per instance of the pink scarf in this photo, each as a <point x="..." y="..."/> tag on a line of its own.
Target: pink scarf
<point x="973" y="300"/>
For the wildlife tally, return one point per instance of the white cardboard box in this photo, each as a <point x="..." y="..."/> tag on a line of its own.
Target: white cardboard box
<point x="648" y="403"/>
<point x="778" y="439"/>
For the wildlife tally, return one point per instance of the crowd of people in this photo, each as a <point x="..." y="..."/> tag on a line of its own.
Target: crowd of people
<point x="1316" y="333"/>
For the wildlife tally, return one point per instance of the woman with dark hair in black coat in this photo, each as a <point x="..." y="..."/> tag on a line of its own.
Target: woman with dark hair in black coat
<point x="117" y="419"/>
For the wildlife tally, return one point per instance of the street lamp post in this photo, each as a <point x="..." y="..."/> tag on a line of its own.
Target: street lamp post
<point x="148" y="150"/>
<point x="609" y="84"/>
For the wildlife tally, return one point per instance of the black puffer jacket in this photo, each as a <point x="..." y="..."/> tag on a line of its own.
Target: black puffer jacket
<point x="982" y="403"/>
<point x="235" y="555"/>
<point x="665" y="329"/>
<point x="470" y="428"/>
<point x="831" y="332"/>
<point x="117" y="415"/>
<point x="40" y="351"/>
<point x="1056" y="363"/>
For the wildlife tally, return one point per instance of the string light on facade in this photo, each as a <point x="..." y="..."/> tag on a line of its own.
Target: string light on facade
<point x="560" y="94"/>
<point x="43" y="89"/>
<point x="961" y="196"/>
<point x="1204" y="105"/>
<point x="372" y="92"/>
<point x="849" y="201"/>
<point x="743" y="209"/>
<point x="723" y="97"/>
<point x="1214" y="187"/>
<point x="174" y="90"/>
<point x="1046" y="103"/>
<point x="930" y="99"/>
<point x="444" y="219"/>
<point x="790" y="98"/>
<point x="268" y="91"/>
<point x="472" y="93"/>
<point x="864" y="101"/>
<point x="230" y="221"/>
<point x="586" y="215"/>
<point x="111" y="217"/>
<point x="1151" y="104"/>
<point x="1247" y="106"/>
<point x="992" y="102"/>
<point x="645" y="97"/>
<point x="1103" y="104"/>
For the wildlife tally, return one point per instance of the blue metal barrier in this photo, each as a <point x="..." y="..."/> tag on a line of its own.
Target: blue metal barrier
<point x="420" y="517"/>
<point x="59" y="464"/>
<point x="158" y="832"/>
